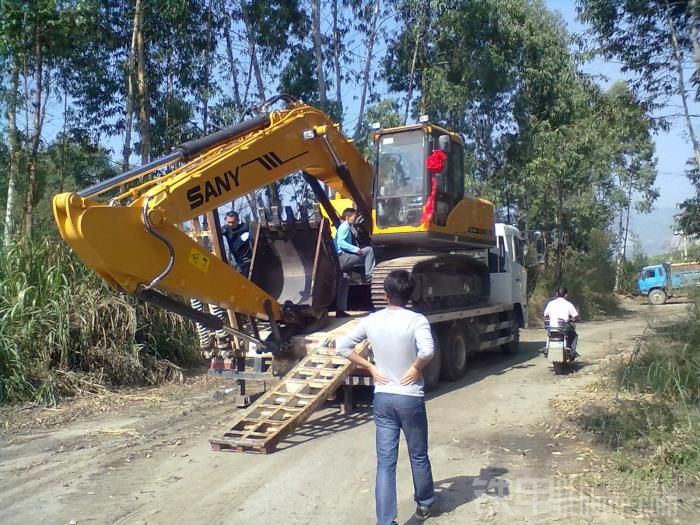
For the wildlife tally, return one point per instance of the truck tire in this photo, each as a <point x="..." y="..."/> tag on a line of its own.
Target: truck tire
<point x="431" y="373"/>
<point x="511" y="348"/>
<point x="455" y="354"/>
<point x="657" y="297"/>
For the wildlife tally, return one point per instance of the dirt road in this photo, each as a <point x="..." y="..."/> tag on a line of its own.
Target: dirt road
<point x="146" y="458"/>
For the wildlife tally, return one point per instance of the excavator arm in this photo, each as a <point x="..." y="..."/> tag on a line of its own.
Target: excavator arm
<point x="134" y="241"/>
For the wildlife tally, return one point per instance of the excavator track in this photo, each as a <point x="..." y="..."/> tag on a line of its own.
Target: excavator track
<point x="384" y="268"/>
<point x="442" y="281"/>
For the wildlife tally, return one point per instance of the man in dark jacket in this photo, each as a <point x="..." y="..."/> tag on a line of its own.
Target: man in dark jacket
<point x="238" y="238"/>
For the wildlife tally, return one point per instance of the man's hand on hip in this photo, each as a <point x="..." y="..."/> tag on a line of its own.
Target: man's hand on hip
<point x="377" y="376"/>
<point x="411" y="376"/>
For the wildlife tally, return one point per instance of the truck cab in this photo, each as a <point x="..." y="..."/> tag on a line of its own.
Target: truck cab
<point x="654" y="282"/>
<point x="509" y="271"/>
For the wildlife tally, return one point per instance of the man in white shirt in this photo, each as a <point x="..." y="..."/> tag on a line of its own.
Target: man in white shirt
<point x="561" y="314"/>
<point x="402" y="344"/>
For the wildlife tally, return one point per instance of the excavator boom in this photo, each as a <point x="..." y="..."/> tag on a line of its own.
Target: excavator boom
<point x="134" y="242"/>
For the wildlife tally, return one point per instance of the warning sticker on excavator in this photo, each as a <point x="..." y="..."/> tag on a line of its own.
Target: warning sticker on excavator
<point x="199" y="260"/>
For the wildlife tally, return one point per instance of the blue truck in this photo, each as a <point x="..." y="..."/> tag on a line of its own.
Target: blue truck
<point x="661" y="281"/>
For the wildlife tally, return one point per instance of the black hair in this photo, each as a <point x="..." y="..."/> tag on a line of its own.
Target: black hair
<point x="347" y="212"/>
<point x="561" y="292"/>
<point x="233" y="214"/>
<point x="399" y="286"/>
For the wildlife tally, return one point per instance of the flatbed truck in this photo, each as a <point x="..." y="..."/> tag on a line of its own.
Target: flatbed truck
<point x="313" y="372"/>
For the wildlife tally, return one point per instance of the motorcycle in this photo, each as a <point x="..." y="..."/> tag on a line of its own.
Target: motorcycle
<point x="558" y="352"/>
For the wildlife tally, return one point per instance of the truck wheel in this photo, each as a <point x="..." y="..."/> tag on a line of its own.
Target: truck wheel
<point x="511" y="347"/>
<point x="456" y="353"/>
<point x="431" y="373"/>
<point x="657" y="297"/>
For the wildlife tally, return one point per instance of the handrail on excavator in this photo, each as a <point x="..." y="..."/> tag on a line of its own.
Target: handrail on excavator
<point x="183" y="152"/>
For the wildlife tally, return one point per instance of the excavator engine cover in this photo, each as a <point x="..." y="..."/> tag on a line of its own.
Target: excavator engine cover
<point x="295" y="262"/>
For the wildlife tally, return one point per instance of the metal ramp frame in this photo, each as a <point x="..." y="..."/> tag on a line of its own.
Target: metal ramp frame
<point x="284" y="408"/>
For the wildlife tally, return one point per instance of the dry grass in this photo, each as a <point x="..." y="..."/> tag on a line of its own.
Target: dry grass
<point x="63" y="332"/>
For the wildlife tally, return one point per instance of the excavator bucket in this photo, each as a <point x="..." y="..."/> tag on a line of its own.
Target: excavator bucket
<point x="295" y="262"/>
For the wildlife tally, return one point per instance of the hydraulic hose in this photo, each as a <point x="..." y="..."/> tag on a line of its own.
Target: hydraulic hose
<point x="159" y="236"/>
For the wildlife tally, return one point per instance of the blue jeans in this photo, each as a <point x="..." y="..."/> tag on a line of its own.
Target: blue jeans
<point x="393" y="413"/>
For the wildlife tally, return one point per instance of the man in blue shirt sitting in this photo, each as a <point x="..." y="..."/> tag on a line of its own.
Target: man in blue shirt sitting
<point x="349" y="253"/>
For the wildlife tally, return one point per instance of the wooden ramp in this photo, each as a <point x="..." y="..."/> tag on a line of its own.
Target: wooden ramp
<point x="280" y="411"/>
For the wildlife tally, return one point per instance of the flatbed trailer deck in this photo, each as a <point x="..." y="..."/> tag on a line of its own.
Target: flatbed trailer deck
<point x="318" y="372"/>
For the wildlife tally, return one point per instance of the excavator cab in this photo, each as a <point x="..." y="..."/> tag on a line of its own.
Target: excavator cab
<point x="426" y="210"/>
<point x="403" y="184"/>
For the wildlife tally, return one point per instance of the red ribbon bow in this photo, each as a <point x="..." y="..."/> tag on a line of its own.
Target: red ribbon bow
<point x="435" y="164"/>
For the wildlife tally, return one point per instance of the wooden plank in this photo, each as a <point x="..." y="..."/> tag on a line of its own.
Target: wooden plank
<point x="255" y="434"/>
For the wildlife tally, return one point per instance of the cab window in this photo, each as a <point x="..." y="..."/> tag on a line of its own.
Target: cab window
<point x="497" y="257"/>
<point x="650" y="274"/>
<point x="457" y="172"/>
<point x="400" y="181"/>
<point x="519" y="251"/>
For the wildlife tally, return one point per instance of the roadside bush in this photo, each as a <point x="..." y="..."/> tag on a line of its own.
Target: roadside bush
<point x="669" y="366"/>
<point x="630" y="274"/>
<point x="62" y="330"/>
<point x="656" y="431"/>
<point x="588" y="275"/>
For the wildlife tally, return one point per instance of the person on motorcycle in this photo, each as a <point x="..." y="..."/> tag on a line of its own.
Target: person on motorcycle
<point x="562" y="314"/>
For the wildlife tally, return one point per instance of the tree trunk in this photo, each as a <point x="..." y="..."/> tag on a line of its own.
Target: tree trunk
<point x="14" y="153"/>
<point x="695" y="33"/>
<point x="130" y="84"/>
<point x="560" y="235"/>
<point x="232" y="65"/>
<point x="251" y="199"/>
<point x="622" y="238"/>
<point x="142" y="85"/>
<point x="318" y="52"/>
<point x="207" y="73"/>
<point x="36" y="132"/>
<point x="336" y="61"/>
<point x="62" y="165"/>
<point x="411" y="76"/>
<point x="678" y="56"/>
<point x="368" y="65"/>
<point x="627" y="223"/>
<point x="250" y="35"/>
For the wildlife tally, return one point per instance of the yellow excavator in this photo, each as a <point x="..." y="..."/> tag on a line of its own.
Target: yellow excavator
<point x="135" y="241"/>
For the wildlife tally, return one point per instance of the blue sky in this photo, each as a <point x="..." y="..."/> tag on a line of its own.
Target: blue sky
<point x="655" y="230"/>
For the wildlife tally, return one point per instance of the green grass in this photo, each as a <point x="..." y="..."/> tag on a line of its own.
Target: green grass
<point x="63" y="331"/>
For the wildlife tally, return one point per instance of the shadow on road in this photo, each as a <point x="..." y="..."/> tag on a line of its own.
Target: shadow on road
<point x="329" y="423"/>
<point x="487" y="364"/>
<point x="572" y="368"/>
<point x="480" y="366"/>
<point x="451" y="493"/>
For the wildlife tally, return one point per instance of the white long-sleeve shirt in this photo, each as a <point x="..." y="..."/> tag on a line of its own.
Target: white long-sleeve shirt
<point x="397" y="337"/>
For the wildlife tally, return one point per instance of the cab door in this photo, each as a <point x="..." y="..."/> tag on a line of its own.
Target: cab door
<point x="450" y="187"/>
<point x="650" y="279"/>
<point x="519" y="271"/>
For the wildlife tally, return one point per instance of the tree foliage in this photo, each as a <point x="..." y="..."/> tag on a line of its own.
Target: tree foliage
<point x="656" y="41"/>
<point x="90" y="88"/>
